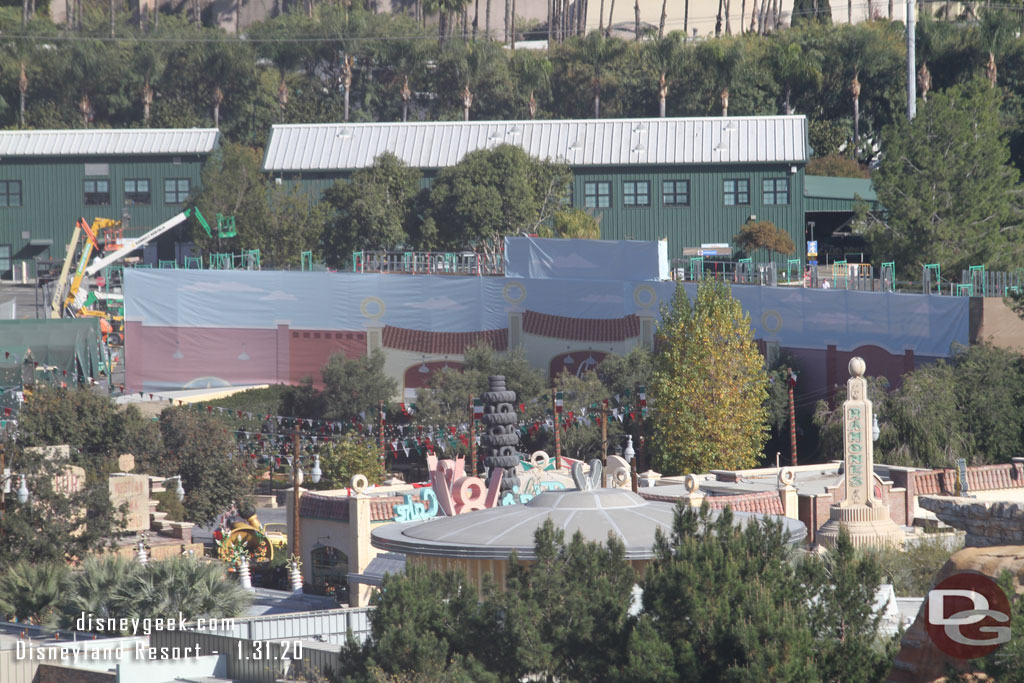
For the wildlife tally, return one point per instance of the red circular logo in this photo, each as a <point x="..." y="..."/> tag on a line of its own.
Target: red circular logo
<point x="967" y="615"/>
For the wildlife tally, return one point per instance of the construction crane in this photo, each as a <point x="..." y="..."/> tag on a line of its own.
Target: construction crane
<point x="104" y="261"/>
<point x="81" y="228"/>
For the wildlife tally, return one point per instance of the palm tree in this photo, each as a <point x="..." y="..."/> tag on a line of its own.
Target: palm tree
<point x="116" y="586"/>
<point x="924" y="81"/>
<point x="795" y="68"/>
<point x="218" y="97"/>
<point x="855" y="91"/>
<point x="663" y="57"/>
<point x="599" y="52"/>
<point x="90" y="588"/>
<point x="30" y="592"/>
<point x="346" y="66"/>
<point x="22" y="89"/>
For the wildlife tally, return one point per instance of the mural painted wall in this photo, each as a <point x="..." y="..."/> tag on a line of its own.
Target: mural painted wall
<point x="193" y="329"/>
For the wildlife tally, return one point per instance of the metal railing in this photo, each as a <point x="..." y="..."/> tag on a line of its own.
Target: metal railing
<point x="428" y="262"/>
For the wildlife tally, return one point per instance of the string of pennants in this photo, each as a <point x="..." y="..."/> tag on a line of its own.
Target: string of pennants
<point x="411" y="437"/>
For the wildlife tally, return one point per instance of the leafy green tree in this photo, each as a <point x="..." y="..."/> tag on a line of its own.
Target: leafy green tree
<point x="372" y="210"/>
<point x="232" y="185"/>
<point x="841" y="614"/>
<point x="355" y="385"/>
<point x="30" y="591"/>
<point x="493" y="193"/>
<point x="764" y="235"/>
<point x="625" y="374"/>
<point x="717" y="593"/>
<point x="96" y="428"/>
<point x="345" y="457"/>
<point x="576" y="224"/>
<point x="709" y="386"/>
<point x="213" y="473"/>
<point x="836" y="166"/>
<point x="55" y="525"/>
<point x="968" y="407"/>
<point x="446" y="401"/>
<point x="429" y="624"/>
<point x="280" y="221"/>
<point x="912" y="570"/>
<point x="951" y="196"/>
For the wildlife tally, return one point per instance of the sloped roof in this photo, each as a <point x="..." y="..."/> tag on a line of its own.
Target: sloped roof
<point x="587" y="142"/>
<point x="422" y="341"/>
<point x="101" y="142"/>
<point x="581" y="329"/>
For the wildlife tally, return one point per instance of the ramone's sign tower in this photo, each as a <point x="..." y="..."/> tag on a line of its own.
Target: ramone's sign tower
<point x="861" y="513"/>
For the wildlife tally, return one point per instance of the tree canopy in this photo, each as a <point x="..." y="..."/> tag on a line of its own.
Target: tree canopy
<point x="709" y="385"/>
<point x="712" y="598"/>
<point x="950" y="193"/>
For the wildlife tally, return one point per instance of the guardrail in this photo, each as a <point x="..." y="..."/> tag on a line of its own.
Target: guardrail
<point x="428" y="262"/>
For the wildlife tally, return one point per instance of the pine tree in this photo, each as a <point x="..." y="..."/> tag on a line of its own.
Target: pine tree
<point x="709" y="386"/>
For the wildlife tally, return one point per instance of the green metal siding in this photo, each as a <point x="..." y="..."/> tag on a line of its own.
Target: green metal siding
<point x="707" y="219"/>
<point x="53" y="198"/>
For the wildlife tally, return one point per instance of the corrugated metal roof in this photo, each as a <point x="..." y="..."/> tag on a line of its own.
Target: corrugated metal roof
<point x="101" y="142"/>
<point x="597" y="142"/>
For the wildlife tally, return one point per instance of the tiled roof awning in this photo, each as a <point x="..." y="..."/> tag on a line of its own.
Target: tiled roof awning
<point x="766" y="503"/>
<point x="323" y="507"/>
<point x="979" y="478"/>
<point x="442" y="342"/>
<point x="581" y="329"/>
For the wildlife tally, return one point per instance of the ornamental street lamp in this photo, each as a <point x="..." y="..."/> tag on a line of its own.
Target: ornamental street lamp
<point x="178" y="490"/>
<point x="316" y="472"/>
<point x="874" y="427"/>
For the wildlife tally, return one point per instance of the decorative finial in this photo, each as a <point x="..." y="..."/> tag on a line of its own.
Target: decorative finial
<point x="857" y="367"/>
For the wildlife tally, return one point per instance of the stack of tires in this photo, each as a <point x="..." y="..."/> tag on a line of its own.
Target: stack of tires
<point x="500" y="436"/>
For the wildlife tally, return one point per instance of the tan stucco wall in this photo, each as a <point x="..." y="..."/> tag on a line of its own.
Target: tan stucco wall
<point x="1001" y="326"/>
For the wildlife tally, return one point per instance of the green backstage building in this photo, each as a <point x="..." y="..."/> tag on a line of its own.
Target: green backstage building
<point x="694" y="181"/>
<point x="50" y="178"/>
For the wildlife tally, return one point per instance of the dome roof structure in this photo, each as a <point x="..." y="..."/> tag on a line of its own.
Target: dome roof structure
<point x="495" y="532"/>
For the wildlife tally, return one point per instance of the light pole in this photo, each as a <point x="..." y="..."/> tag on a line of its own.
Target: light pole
<point x="179" y="491"/>
<point x="296" y="481"/>
<point x="316" y="472"/>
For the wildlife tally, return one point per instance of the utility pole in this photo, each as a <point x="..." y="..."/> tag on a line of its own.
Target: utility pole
<point x="911" y="63"/>
<point x="792" y="417"/>
<point x="472" y="437"/>
<point x="604" y="437"/>
<point x="558" y="429"/>
<point x="296" y="534"/>
<point x="380" y="433"/>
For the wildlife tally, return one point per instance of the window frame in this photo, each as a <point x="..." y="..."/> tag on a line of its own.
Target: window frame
<point x="177" y="190"/>
<point x="736" y="193"/>
<point x="597" y="195"/>
<point x="9" y="258"/>
<point x="675" y="194"/>
<point x="94" y="198"/>
<point x="774" y="192"/>
<point x="6" y="194"/>
<point x="635" y="194"/>
<point x="130" y="195"/>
